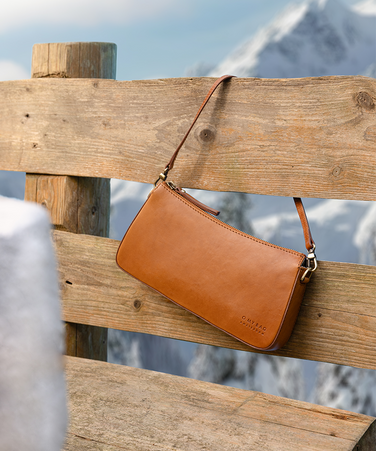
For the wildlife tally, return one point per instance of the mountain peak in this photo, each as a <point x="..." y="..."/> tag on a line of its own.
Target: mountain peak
<point x="311" y="38"/>
<point x="322" y="5"/>
<point x="331" y="4"/>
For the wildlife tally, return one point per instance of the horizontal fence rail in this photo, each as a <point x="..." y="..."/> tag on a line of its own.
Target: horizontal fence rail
<point x="197" y="413"/>
<point x="337" y="321"/>
<point x="310" y="137"/>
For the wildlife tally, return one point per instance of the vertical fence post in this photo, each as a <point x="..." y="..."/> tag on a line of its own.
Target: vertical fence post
<point x="76" y="204"/>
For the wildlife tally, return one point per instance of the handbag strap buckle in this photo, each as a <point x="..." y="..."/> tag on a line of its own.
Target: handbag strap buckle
<point x="311" y="267"/>
<point x="162" y="176"/>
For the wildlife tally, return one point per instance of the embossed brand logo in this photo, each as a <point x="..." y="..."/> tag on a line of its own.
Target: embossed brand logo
<point x="253" y="325"/>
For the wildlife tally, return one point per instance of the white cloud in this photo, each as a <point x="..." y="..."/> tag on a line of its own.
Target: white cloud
<point x="9" y="70"/>
<point x="18" y="13"/>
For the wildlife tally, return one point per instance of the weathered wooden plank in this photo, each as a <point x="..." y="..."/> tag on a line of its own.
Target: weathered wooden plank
<point x="74" y="60"/>
<point x="337" y="321"/>
<point x="76" y="204"/>
<point x="311" y="137"/>
<point x="115" y="407"/>
<point x="79" y="205"/>
<point x="58" y="194"/>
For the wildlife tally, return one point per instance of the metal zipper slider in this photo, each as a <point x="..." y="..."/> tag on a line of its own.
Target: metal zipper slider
<point x="192" y="199"/>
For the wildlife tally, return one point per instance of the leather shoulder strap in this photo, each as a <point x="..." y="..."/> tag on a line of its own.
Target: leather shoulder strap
<point x="309" y="243"/>
<point x="170" y="164"/>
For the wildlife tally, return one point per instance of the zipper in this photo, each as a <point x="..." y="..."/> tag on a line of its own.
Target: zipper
<point x="191" y="199"/>
<point x="207" y="209"/>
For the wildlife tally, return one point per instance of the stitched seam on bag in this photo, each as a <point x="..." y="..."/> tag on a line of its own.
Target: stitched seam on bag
<point x="274" y="246"/>
<point x="133" y="221"/>
<point x="292" y="292"/>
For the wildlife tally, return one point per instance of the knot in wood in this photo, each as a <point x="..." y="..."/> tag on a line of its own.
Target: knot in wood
<point x="206" y="134"/>
<point x="137" y="304"/>
<point x="365" y="101"/>
<point x="336" y="171"/>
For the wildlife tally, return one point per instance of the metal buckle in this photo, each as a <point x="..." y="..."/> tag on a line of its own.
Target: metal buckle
<point x="312" y="264"/>
<point x="162" y="176"/>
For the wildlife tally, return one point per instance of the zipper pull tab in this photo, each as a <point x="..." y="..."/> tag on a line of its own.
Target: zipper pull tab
<point x="193" y="200"/>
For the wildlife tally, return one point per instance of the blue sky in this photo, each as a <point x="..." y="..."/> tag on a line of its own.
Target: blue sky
<point x="155" y="38"/>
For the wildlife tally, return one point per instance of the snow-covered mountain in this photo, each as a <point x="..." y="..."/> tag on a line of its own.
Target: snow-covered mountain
<point x="313" y="38"/>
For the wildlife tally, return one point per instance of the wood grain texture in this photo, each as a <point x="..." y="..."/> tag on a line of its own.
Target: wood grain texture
<point x="310" y="137"/>
<point x="76" y="204"/>
<point x="74" y="60"/>
<point x="337" y="321"/>
<point x="113" y="407"/>
<point x="93" y="206"/>
<point x="59" y="195"/>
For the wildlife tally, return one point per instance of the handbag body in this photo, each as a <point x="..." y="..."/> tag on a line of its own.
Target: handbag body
<point x="247" y="287"/>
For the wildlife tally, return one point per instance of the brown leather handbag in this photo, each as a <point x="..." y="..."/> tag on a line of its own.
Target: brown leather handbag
<point x="247" y="287"/>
